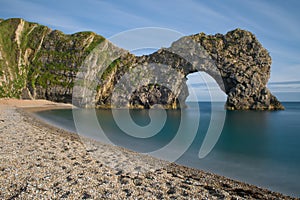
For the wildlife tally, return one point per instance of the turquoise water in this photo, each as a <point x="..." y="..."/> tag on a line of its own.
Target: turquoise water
<point x="261" y="148"/>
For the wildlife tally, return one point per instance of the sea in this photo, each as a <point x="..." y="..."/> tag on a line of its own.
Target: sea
<point x="256" y="147"/>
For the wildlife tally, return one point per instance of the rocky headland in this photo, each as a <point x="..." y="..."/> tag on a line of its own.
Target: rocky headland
<point x="39" y="63"/>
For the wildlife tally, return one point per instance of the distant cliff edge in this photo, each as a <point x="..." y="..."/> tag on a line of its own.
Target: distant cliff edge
<point x="39" y="63"/>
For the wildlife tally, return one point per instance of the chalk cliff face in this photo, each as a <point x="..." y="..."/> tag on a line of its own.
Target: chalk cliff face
<point x="37" y="62"/>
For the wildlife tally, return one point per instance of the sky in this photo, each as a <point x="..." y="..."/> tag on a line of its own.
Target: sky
<point x="276" y="23"/>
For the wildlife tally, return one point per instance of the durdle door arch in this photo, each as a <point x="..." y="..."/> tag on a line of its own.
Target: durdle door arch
<point x="237" y="61"/>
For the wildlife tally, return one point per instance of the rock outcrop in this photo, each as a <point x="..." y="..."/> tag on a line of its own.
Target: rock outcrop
<point x="37" y="62"/>
<point x="40" y="63"/>
<point x="245" y="69"/>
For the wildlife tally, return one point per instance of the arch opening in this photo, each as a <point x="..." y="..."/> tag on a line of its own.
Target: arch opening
<point x="204" y="88"/>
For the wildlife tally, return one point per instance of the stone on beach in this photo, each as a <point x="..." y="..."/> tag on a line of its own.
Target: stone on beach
<point x="40" y="161"/>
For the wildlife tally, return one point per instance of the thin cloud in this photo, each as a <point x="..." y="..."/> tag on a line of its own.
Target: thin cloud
<point x="273" y="14"/>
<point x="276" y="27"/>
<point x="286" y="72"/>
<point x="39" y="13"/>
<point x="285" y="87"/>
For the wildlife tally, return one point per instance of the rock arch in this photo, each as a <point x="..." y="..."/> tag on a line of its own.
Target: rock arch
<point x="237" y="61"/>
<point x="46" y="66"/>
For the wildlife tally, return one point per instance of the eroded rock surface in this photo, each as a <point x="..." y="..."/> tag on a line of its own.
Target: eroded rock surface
<point x="237" y="61"/>
<point x="39" y="63"/>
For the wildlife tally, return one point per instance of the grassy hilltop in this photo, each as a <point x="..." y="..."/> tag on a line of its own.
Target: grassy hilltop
<point x="40" y="62"/>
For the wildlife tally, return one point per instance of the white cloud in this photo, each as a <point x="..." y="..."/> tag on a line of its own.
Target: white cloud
<point x="37" y="12"/>
<point x="276" y="27"/>
<point x="286" y="91"/>
<point x="285" y="72"/>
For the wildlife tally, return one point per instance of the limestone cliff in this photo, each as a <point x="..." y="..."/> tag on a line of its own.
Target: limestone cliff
<point x="237" y="61"/>
<point x="37" y="62"/>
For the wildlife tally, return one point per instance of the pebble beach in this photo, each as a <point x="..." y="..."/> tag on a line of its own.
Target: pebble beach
<point x="39" y="161"/>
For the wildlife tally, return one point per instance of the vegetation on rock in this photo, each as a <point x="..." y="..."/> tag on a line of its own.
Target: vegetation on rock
<point x="39" y="63"/>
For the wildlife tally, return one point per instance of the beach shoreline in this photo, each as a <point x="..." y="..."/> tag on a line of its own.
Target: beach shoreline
<point x="39" y="160"/>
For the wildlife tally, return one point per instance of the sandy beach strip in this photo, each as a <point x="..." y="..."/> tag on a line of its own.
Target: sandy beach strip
<point x="38" y="161"/>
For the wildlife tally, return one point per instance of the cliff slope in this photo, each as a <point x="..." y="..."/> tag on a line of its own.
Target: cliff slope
<point x="39" y="63"/>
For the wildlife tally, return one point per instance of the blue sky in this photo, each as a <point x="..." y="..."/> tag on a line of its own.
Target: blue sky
<point x="276" y="23"/>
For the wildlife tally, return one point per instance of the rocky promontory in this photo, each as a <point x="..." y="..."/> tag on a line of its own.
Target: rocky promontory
<point x="39" y="63"/>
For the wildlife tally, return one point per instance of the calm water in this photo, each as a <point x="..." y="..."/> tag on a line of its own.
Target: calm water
<point x="261" y="148"/>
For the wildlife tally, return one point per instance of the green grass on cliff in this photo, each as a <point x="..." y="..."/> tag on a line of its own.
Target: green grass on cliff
<point x="9" y="62"/>
<point x="110" y="69"/>
<point x="43" y="57"/>
<point x="8" y="46"/>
